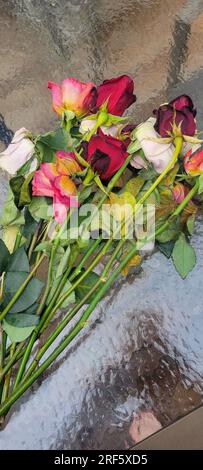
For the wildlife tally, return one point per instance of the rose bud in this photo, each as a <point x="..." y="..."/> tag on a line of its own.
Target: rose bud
<point x="193" y="163"/>
<point x="180" y="111"/>
<point x="106" y="155"/>
<point x="180" y="192"/>
<point x="73" y="95"/>
<point x="118" y="93"/>
<point x="158" y="153"/>
<point x="19" y="151"/>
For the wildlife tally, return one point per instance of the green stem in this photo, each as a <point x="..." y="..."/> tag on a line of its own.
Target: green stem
<point x="3" y="339"/>
<point x="12" y="360"/>
<point x="178" y="144"/>
<point x="36" y="331"/>
<point x="43" y="238"/>
<point x="34" y="241"/>
<point x="73" y="311"/>
<point x="17" y="241"/>
<point x="8" y="377"/>
<point x="63" y="297"/>
<point x="46" y="319"/>
<point x="85" y="258"/>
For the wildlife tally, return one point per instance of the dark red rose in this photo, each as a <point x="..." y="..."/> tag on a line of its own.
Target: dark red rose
<point x="106" y="155"/>
<point x="182" y="109"/>
<point x="119" y="93"/>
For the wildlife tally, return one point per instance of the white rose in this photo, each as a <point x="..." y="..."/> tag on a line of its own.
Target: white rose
<point x="157" y="153"/>
<point x="19" y="151"/>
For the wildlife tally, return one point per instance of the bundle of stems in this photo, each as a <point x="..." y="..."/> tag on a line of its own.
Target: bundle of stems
<point x="14" y="387"/>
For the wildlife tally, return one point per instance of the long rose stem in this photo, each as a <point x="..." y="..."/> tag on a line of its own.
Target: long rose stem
<point x="178" y="145"/>
<point x="73" y="311"/>
<point x="44" y="317"/>
<point x="80" y="325"/>
<point x="70" y="315"/>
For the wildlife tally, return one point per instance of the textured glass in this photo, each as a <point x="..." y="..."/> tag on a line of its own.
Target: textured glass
<point x="143" y="348"/>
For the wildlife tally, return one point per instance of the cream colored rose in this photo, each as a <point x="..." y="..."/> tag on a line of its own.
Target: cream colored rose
<point x="19" y="151"/>
<point x="157" y="153"/>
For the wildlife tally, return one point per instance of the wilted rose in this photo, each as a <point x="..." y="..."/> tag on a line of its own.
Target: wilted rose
<point x="106" y="155"/>
<point x="180" y="111"/>
<point x="179" y="192"/>
<point x="19" y="151"/>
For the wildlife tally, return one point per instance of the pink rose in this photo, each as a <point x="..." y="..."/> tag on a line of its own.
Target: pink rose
<point x="53" y="180"/>
<point x="73" y="95"/>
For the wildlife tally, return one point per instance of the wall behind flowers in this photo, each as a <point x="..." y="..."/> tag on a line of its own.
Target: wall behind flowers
<point x="143" y="362"/>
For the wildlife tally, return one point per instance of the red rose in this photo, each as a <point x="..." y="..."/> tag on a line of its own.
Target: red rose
<point x="118" y="92"/>
<point x="182" y="110"/>
<point x="106" y="155"/>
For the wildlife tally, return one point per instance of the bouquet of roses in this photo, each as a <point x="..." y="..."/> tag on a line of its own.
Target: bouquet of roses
<point x="90" y="196"/>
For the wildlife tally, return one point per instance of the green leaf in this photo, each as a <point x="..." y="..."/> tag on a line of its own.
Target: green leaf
<point x="30" y="295"/>
<point x="170" y="234"/>
<point x="22" y="320"/>
<point x="48" y="144"/>
<point x="11" y="215"/>
<point x="166" y="248"/>
<point x="86" y="285"/>
<point x="184" y="257"/>
<point x="24" y="170"/>
<point x="100" y="184"/>
<point x="30" y="224"/>
<point x="56" y="140"/>
<point x="148" y="174"/>
<point x="16" y="184"/>
<point x="134" y="185"/>
<point x="16" y="334"/>
<point x="25" y="192"/>
<point x="9" y="234"/>
<point x="41" y="208"/>
<point x="190" y="224"/>
<point x="30" y="310"/>
<point x="200" y="190"/>
<point x="45" y="153"/>
<point x="19" y="261"/>
<point x="43" y="246"/>
<point x="4" y="257"/>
